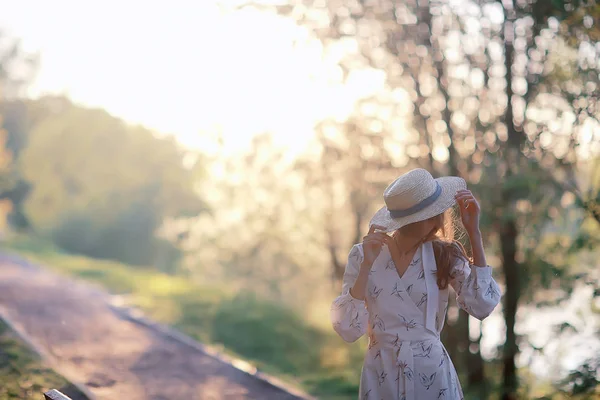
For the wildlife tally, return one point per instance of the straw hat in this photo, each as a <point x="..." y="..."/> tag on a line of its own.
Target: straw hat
<point x="416" y="196"/>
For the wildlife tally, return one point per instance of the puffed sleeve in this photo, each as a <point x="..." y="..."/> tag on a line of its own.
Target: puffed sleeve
<point x="476" y="290"/>
<point x="349" y="316"/>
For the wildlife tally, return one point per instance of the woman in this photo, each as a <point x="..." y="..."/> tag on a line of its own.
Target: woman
<point x="395" y="288"/>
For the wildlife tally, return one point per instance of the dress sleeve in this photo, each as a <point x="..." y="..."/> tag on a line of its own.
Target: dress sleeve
<point x="349" y="316"/>
<point x="476" y="290"/>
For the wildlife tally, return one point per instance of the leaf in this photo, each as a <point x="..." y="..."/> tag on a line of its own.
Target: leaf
<point x="558" y="4"/>
<point x="564" y="327"/>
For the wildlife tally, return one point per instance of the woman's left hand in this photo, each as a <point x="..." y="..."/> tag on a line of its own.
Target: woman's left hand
<point x="469" y="210"/>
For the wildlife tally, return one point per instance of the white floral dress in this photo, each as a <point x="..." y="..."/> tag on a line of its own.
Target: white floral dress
<point x="404" y="316"/>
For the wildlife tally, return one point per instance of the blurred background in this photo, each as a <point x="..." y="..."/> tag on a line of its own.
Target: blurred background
<point x="231" y="152"/>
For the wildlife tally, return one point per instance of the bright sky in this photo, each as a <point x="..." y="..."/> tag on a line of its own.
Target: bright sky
<point x="185" y="67"/>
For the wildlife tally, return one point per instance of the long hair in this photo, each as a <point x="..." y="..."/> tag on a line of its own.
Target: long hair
<point x="446" y="248"/>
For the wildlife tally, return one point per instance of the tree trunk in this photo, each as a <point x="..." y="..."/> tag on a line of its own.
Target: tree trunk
<point x="337" y="267"/>
<point x="449" y="337"/>
<point x="593" y="208"/>
<point x="463" y="341"/>
<point x="476" y="371"/>
<point x="508" y="246"/>
<point x="508" y="226"/>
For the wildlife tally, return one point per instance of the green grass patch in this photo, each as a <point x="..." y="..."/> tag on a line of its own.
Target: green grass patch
<point x="274" y="338"/>
<point x="23" y="375"/>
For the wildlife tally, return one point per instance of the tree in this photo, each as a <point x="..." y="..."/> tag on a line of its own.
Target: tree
<point x="16" y="72"/>
<point x="260" y="236"/>
<point x="479" y="76"/>
<point x="353" y="168"/>
<point x="103" y="188"/>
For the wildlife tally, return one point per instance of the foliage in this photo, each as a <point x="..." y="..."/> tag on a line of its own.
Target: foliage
<point x="584" y="380"/>
<point x="260" y="235"/>
<point x="501" y="93"/>
<point x="273" y="337"/>
<point x="16" y="72"/>
<point x="496" y="92"/>
<point x="278" y="329"/>
<point x="102" y="188"/>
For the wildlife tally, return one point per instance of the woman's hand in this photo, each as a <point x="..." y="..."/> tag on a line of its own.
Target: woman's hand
<point x="469" y="211"/>
<point x="372" y="245"/>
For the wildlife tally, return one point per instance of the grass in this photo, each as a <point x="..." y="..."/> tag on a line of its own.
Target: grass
<point x="23" y="376"/>
<point x="275" y="339"/>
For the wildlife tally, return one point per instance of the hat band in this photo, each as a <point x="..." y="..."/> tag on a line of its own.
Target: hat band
<point x="419" y="206"/>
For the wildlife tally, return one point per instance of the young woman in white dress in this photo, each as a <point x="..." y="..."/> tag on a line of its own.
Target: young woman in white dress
<point x="395" y="288"/>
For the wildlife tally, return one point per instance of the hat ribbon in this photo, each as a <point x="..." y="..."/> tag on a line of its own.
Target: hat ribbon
<point x="419" y="206"/>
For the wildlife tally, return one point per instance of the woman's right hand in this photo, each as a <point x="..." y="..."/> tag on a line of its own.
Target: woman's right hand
<point x="372" y="245"/>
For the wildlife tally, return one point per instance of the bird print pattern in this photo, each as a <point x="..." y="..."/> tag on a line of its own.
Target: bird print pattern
<point x="375" y="292"/>
<point x="406" y="360"/>
<point x="427" y="380"/>
<point x="396" y="342"/>
<point x="424" y="351"/>
<point x="407" y="372"/>
<point x="423" y="300"/>
<point x="409" y="324"/>
<point x="398" y="291"/>
<point x="416" y="290"/>
<point x="378" y="323"/>
<point x="492" y="292"/>
<point x="381" y="377"/>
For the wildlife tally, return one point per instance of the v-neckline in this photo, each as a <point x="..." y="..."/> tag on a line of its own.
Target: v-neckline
<point x="411" y="263"/>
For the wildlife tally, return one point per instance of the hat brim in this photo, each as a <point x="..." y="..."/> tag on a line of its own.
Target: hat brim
<point x="449" y="184"/>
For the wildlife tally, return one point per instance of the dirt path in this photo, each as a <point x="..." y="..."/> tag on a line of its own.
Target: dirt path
<point x="115" y="358"/>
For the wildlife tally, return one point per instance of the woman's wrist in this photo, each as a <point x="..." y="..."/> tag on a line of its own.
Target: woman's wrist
<point x="359" y="288"/>
<point x="476" y="240"/>
<point x="352" y="292"/>
<point x="474" y="234"/>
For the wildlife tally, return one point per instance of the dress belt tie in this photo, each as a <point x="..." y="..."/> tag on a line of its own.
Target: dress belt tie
<point x="405" y="362"/>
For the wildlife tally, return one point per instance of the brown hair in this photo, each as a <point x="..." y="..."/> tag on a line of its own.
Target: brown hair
<point x="446" y="248"/>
